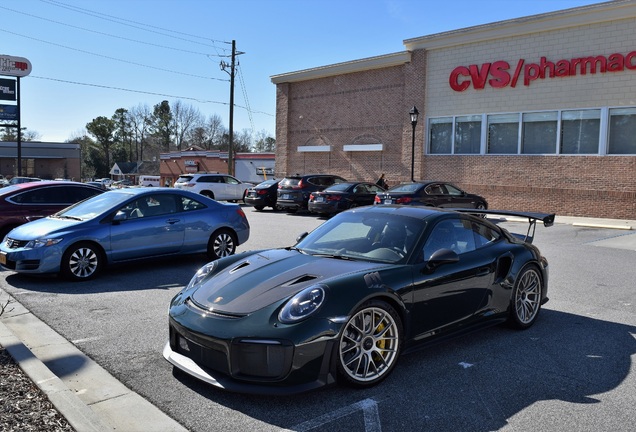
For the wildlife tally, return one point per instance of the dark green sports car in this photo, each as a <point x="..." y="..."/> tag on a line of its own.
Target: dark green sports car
<point x="352" y="295"/>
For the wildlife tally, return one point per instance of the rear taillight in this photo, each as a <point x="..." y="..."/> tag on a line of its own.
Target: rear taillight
<point x="404" y="200"/>
<point x="189" y="185"/>
<point x="377" y="200"/>
<point x="300" y="185"/>
<point x="241" y="213"/>
<point x="312" y="197"/>
<point x="334" y="197"/>
<point x="261" y="191"/>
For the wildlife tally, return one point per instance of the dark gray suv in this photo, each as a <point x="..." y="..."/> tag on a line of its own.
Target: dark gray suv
<point x="294" y="191"/>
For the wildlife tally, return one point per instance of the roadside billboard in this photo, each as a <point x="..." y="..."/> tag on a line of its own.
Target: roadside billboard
<point x="7" y="89"/>
<point x="8" y="112"/>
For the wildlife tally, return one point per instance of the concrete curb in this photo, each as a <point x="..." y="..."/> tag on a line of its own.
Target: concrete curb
<point x="76" y="412"/>
<point x="87" y="395"/>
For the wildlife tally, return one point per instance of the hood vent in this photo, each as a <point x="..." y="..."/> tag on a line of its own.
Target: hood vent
<point x="240" y="266"/>
<point x="302" y="279"/>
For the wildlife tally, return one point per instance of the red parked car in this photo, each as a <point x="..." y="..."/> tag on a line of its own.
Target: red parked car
<point x="23" y="202"/>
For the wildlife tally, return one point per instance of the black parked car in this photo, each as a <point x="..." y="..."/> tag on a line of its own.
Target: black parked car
<point x="343" y="196"/>
<point x="349" y="298"/>
<point x="294" y="191"/>
<point x="431" y="194"/>
<point x="263" y="195"/>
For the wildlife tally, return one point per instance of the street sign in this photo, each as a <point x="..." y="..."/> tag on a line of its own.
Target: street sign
<point x="14" y="66"/>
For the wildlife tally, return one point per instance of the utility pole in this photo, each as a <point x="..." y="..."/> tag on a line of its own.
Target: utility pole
<point x="230" y="152"/>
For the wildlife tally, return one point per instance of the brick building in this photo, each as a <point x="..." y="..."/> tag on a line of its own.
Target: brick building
<point x="46" y="160"/>
<point x="536" y="113"/>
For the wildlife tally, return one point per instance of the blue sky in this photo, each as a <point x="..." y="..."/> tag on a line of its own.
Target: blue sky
<point x="91" y="57"/>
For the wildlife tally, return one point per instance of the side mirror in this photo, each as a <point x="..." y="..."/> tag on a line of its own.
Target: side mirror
<point x="441" y="257"/>
<point x="302" y="236"/>
<point x="120" y="216"/>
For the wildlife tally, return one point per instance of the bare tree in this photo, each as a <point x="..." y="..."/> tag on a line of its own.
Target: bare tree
<point x="264" y="142"/>
<point x="184" y="118"/>
<point x="243" y="141"/>
<point x="140" y="120"/>
<point x="215" y="131"/>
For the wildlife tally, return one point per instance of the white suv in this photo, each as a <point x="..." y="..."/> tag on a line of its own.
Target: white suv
<point x="221" y="187"/>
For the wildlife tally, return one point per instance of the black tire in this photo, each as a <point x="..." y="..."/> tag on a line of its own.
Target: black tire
<point x="525" y="303"/>
<point x="259" y="207"/>
<point x="369" y="345"/>
<point x="81" y="261"/>
<point x="222" y="243"/>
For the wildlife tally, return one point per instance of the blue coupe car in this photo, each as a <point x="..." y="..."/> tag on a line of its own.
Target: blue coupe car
<point x="123" y="225"/>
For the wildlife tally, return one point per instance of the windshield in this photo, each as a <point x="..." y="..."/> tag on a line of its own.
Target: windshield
<point x="407" y="187"/>
<point x="361" y="236"/>
<point x="338" y="187"/>
<point x="95" y="206"/>
<point x="184" y="179"/>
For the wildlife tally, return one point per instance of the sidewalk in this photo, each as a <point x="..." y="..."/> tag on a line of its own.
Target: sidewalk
<point x="89" y="397"/>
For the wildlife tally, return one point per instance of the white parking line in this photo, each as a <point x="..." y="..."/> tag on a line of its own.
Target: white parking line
<point x="369" y="409"/>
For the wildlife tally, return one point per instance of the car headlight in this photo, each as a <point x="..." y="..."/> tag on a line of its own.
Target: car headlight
<point x="42" y="242"/>
<point x="202" y="273"/>
<point x="302" y="304"/>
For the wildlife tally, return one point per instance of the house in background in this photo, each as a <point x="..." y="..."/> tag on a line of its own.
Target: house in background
<point x="132" y="170"/>
<point x="248" y="167"/>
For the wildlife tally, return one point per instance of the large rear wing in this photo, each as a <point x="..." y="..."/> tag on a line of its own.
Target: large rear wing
<point x="532" y="217"/>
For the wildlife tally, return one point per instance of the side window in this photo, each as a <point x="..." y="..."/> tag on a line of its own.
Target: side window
<point x="314" y="181"/>
<point x="454" y="234"/>
<point x="231" y="180"/>
<point x="209" y="179"/>
<point x="188" y="204"/>
<point x="154" y="205"/>
<point x="452" y="190"/>
<point x="77" y="194"/>
<point x="49" y="195"/>
<point x="484" y="235"/>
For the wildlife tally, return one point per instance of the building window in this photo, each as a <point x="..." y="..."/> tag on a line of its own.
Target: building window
<point x="440" y="136"/>
<point x="622" y="131"/>
<point x="503" y="133"/>
<point x="468" y="134"/>
<point x="580" y="131"/>
<point x="539" y="133"/>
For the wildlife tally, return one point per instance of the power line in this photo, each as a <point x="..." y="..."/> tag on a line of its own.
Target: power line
<point x="112" y="58"/>
<point x="112" y="35"/>
<point x="247" y="102"/>
<point x="144" y="92"/>
<point x="123" y="21"/>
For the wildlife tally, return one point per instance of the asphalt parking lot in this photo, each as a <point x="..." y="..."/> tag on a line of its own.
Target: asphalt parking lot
<point x="573" y="370"/>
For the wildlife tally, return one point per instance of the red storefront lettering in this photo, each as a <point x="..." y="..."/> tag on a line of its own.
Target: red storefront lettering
<point x="454" y="79"/>
<point x="498" y="74"/>
<point x="629" y="60"/>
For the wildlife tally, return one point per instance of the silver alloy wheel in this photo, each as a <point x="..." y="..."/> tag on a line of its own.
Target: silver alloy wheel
<point x="369" y="345"/>
<point x="527" y="299"/>
<point x="83" y="262"/>
<point x="223" y="244"/>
